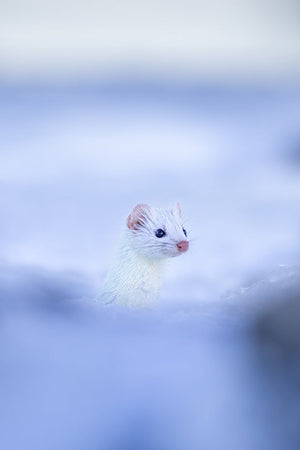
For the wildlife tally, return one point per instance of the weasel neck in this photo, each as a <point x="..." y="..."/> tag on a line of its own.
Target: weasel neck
<point x="133" y="279"/>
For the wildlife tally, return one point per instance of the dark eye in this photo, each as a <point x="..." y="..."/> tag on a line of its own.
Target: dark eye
<point x="160" y="233"/>
<point x="184" y="231"/>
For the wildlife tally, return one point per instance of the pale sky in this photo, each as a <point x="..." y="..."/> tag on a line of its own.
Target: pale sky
<point x="178" y="38"/>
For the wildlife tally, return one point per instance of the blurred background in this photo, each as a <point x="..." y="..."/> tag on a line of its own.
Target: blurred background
<point x="104" y="105"/>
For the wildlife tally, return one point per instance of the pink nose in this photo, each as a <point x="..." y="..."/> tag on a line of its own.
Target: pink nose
<point x="183" y="246"/>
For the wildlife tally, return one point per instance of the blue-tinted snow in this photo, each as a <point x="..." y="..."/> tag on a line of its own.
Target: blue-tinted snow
<point x="213" y="366"/>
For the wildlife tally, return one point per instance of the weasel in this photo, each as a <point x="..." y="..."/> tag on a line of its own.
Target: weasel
<point x="152" y="236"/>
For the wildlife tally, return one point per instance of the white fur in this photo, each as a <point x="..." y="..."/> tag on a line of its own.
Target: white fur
<point x="135" y="276"/>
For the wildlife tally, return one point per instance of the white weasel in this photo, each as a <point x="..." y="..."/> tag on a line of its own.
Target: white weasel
<point x="153" y="235"/>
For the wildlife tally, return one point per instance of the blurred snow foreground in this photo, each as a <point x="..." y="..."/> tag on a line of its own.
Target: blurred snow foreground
<point x="189" y="375"/>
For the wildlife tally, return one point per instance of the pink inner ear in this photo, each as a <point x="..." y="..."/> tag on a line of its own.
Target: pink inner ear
<point x="130" y="223"/>
<point x="135" y="218"/>
<point x="177" y="209"/>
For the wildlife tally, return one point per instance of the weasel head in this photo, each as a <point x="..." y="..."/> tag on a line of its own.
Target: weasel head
<point x="157" y="233"/>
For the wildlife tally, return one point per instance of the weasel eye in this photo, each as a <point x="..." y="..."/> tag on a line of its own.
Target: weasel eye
<point x="160" y="233"/>
<point x="184" y="231"/>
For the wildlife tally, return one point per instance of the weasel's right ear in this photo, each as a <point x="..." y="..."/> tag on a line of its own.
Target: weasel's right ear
<point x="177" y="210"/>
<point x="137" y="217"/>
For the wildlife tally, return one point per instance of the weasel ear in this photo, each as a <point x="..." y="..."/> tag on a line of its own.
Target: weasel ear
<point x="136" y="218"/>
<point x="177" y="210"/>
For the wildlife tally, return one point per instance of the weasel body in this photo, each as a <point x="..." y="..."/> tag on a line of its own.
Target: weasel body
<point x="153" y="235"/>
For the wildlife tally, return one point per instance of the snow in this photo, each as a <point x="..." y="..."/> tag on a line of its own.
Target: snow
<point x="215" y="365"/>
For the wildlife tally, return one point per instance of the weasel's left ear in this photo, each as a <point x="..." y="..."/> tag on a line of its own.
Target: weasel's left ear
<point x="137" y="216"/>
<point x="177" y="210"/>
